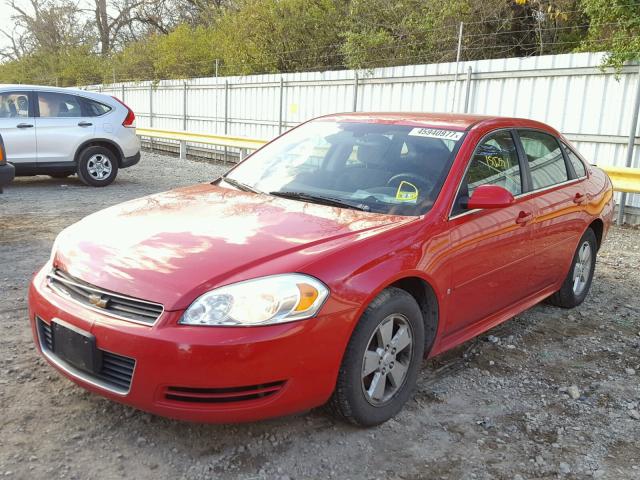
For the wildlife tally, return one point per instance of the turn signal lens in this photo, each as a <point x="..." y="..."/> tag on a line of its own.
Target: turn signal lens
<point x="308" y="295"/>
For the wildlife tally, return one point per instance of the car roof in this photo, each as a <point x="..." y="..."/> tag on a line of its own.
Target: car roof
<point x="46" y="88"/>
<point x="453" y="121"/>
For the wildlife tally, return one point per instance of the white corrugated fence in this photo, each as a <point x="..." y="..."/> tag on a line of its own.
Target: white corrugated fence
<point x="592" y="107"/>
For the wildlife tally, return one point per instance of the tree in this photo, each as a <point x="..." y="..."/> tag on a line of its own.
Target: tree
<point x="46" y="25"/>
<point x="614" y="26"/>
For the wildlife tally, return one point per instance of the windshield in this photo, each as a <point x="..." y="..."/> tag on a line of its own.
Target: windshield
<point x="394" y="169"/>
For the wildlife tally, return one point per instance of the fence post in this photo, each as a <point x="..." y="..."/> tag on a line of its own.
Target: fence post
<point x="467" y="90"/>
<point x="184" y="107"/>
<point x="280" y="124"/>
<point x="630" y="147"/>
<point x="123" y="91"/>
<point x="151" y="112"/>
<point x="226" y="113"/>
<point x="355" y="92"/>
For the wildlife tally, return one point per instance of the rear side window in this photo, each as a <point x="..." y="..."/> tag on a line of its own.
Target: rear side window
<point x="95" y="109"/>
<point x="14" y="105"/>
<point x="494" y="162"/>
<point x="546" y="161"/>
<point x="578" y="166"/>
<point x="58" y="105"/>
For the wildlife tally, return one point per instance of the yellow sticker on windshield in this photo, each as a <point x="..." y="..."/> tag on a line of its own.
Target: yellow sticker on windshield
<point x="407" y="192"/>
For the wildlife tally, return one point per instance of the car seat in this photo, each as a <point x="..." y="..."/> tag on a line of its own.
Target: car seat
<point x="373" y="169"/>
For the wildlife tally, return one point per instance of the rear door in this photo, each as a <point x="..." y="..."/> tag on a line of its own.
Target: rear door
<point x="17" y="127"/>
<point x="559" y="198"/>
<point x="62" y="125"/>
<point x="491" y="252"/>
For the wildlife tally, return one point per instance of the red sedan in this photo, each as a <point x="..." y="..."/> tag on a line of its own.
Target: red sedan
<point x="323" y="268"/>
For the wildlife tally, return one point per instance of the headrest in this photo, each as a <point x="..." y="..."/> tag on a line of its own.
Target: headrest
<point x="372" y="150"/>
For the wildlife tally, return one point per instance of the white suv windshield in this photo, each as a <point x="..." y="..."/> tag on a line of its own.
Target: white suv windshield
<point x="384" y="168"/>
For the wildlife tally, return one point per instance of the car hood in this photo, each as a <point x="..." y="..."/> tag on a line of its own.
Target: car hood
<point x="171" y="247"/>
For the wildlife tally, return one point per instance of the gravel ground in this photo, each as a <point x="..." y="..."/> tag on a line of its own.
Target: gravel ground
<point x="549" y="394"/>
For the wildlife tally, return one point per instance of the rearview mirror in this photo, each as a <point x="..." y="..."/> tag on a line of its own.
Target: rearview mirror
<point x="490" y="196"/>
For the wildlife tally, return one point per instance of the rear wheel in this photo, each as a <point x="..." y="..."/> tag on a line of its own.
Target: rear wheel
<point x="381" y="363"/>
<point x="578" y="281"/>
<point x="97" y="166"/>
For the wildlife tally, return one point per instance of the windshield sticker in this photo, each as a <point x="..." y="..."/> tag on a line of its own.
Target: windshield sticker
<point x="436" y="133"/>
<point x="407" y="192"/>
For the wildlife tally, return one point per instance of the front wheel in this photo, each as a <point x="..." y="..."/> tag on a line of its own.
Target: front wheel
<point x="578" y="281"/>
<point x="381" y="363"/>
<point x="97" y="166"/>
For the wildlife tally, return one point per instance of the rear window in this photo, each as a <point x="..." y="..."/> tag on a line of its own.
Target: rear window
<point x="95" y="109"/>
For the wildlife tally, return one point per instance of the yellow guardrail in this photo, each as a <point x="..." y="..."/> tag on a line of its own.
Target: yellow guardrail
<point x="624" y="179"/>
<point x="242" y="143"/>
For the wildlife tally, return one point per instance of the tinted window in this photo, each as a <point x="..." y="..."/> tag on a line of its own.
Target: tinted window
<point x="95" y="109"/>
<point x="578" y="166"/>
<point x="56" y="105"/>
<point x="494" y="162"/>
<point x="546" y="162"/>
<point x="14" y="105"/>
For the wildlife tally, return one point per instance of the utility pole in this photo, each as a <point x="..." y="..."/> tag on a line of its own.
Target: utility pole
<point x="217" y="65"/>
<point x="455" y="78"/>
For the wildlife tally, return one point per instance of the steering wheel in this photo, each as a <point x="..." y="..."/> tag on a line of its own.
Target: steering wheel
<point x="422" y="183"/>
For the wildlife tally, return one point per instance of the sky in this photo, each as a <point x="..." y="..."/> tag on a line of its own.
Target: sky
<point x="5" y="19"/>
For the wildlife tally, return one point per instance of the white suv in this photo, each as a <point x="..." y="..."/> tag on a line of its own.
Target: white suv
<point x="59" y="132"/>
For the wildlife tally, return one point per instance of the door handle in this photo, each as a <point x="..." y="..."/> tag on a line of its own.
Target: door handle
<point x="24" y="125"/>
<point x="579" y="198"/>
<point x="84" y="124"/>
<point x="524" y="218"/>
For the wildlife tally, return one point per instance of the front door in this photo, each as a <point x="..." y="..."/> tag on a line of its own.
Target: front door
<point x="491" y="255"/>
<point x="17" y="127"/>
<point x="61" y="127"/>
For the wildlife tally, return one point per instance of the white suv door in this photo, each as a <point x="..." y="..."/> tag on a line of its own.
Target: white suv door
<point x="61" y="127"/>
<point x="17" y="127"/>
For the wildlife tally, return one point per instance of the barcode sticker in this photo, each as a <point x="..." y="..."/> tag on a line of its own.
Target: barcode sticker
<point x="436" y="133"/>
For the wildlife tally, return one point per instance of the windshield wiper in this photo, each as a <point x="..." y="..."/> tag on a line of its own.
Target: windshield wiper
<point x="239" y="185"/>
<point x="309" y="197"/>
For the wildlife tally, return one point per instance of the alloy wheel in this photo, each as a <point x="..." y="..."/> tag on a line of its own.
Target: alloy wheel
<point x="386" y="360"/>
<point x="582" y="269"/>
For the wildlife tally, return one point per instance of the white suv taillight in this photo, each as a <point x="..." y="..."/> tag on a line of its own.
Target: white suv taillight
<point x="130" y="119"/>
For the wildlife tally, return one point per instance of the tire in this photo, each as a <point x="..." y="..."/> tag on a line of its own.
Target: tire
<point x="97" y="166"/>
<point x="573" y="291"/>
<point x="60" y="175"/>
<point x="354" y="398"/>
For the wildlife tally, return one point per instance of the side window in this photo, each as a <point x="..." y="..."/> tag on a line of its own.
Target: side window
<point x="95" y="109"/>
<point x="546" y="162"/>
<point x="57" y="105"/>
<point x="494" y="162"/>
<point x="14" y="105"/>
<point x="578" y="166"/>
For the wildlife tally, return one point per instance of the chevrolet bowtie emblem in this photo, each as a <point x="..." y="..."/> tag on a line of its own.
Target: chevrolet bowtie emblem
<point x="98" y="301"/>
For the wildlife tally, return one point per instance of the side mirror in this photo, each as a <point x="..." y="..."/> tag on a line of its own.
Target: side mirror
<point x="490" y="196"/>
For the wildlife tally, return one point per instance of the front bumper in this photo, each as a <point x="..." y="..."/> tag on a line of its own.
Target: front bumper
<point x="206" y="374"/>
<point x="7" y="174"/>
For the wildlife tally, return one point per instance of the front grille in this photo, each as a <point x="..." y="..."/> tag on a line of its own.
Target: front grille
<point x="115" y="372"/>
<point x="222" y="395"/>
<point x="126" y="308"/>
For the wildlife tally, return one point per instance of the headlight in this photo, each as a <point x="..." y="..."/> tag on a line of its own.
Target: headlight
<point x="262" y="301"/>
